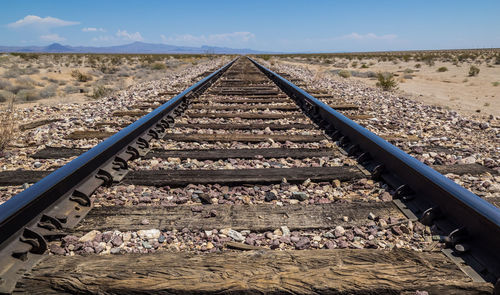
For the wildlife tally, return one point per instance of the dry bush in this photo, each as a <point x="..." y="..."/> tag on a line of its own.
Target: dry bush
<point x="344" y="74"/>
<point x="100" y="91"/>
<point x="13" y="72"/>
<point x="386" y="81"/>
<point x="71" y="89"/>
<point x="5" y="95"/>
<point x="49" y="91"/>
<point x="81" y="77"/>
<point x="27" y="95"/>
<point x="473" y="71"/>
<point x="25" y="81"/>
<point x="7" y="124"/>
<point x="158" y="66"/>
<point x="5" y="84"/>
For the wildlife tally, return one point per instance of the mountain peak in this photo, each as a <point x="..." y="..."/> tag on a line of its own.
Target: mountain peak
<point x="56" y="47"/>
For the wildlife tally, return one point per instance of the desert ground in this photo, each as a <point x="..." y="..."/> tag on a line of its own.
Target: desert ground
<point x="435" y="78"/>
<point x="29" y="79"/>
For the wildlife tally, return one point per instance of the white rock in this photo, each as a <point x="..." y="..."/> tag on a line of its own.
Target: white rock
<point x="235" y="235"/>
<point x="149" y="234"/>
<point x="469" y="160"/>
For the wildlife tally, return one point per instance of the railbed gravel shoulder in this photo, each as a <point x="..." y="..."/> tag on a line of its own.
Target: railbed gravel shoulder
<point x="383" y="233"/>
<point x="363" y="190"/>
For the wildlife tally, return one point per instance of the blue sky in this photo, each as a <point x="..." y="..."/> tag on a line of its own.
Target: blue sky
<point x="286" y="26"/>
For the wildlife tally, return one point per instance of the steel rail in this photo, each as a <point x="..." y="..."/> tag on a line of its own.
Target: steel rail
<point x="473" y="224"/>
<point x="61" y="199"/>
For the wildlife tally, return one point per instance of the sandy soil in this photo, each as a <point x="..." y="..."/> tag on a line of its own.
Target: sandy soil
<point x="453" y="89"/>
<point x="51" y="72"/>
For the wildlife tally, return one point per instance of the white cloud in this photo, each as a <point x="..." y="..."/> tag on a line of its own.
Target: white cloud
<point x="41" y="22"/>
<point x="129" y="36"/>
<point x="52" y="38"/>
<point x="369" y="36"/>
<point x="225" y="39"/>
<point x="90" y="29"/>
<point x="103" y="38"/>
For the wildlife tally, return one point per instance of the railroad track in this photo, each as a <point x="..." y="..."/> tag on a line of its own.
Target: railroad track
<point x="244" y="183"/>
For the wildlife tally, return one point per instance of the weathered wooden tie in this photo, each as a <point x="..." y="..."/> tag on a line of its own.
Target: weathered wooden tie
<point x="346" y="271"/>
<point x="236" y="176"/>
<point x="255" y="217"/>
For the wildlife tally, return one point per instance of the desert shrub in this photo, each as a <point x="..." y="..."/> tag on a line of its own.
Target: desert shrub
<point x="13" y="72"/>
<point x="354" y="64"/>
<point x="6" y="95"/>
<point x="100" y="91"/>
<point x="368" y="74"/>
<point x="25" y="81"/>
<point x="18" y="87"/>
<point x="27" y="95"/>
<point x="108" y="69"/>
<point x="4" y="59"/>
<point x="495" y="84"/>
<point x="71" y="89"/>
<point x="26" y="56"/>
<point x="473" y="71"/>
<point x="4" y="84"/>
<point x="123" y="73"/>
<point x="158" y="66"/>
<point x="442" y="69"/>
<point x="364" y="66"/>
<point x="7" y="123"/>
<point x="49" y="91"/>
<point x="81" y="77"/>
<point x="418" y="66"/>
<point x="344" y="74"/>
<point x="30" y="71"/>
<point x="497" y="60"/>
<point x="408" y="71"/>
<point x="386" y="81"/>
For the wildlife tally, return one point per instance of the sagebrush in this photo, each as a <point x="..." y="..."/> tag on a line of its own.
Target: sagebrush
<point x="473" y="71"/>
<point x="386" y="81"/>
<point x="7" y="124"/>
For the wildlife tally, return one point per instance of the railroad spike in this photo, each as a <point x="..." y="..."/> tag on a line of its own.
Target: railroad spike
<point x="430" y="215"/>
<point x="404" y="192"/>
<point x="364" y="158"/>
<point x="377" y="172"/>
<point x="343" y="140"/>
<point x="353" y="149"/>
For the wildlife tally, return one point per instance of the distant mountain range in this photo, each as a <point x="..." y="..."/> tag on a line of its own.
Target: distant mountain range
<point x="136" y="47"/>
